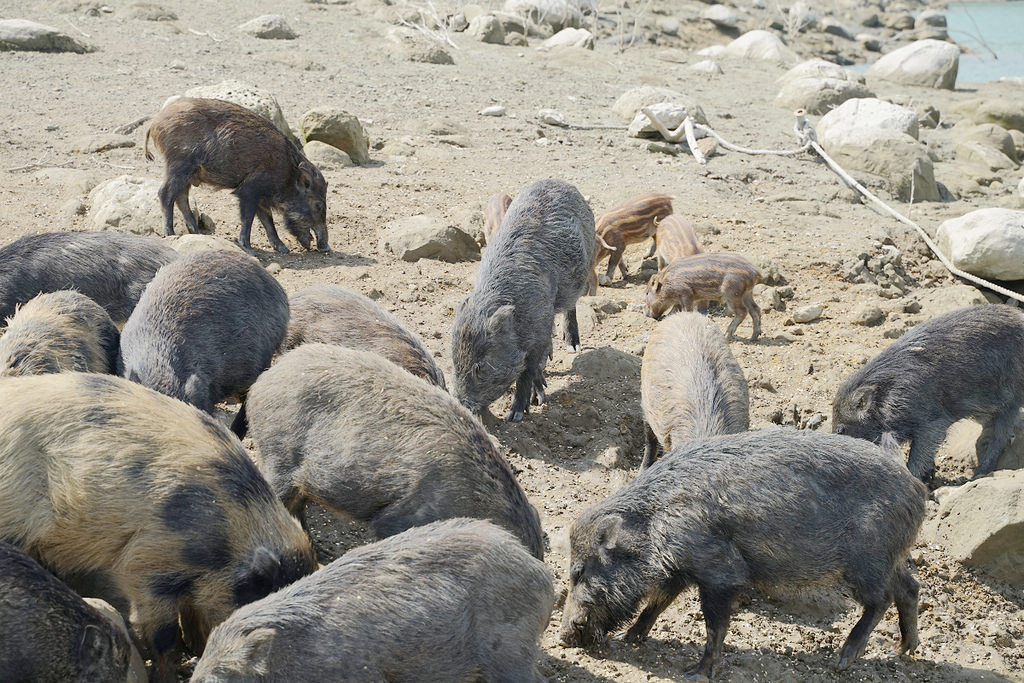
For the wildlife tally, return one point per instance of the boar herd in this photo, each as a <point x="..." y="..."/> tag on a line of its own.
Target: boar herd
<point x="117" y="480"/>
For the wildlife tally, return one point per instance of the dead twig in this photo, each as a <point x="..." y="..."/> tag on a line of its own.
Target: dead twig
<point x="76" y="28"/>
<point x="127" y="128"/>
<point x="38" y="164"/>
<point x="206" y="34"/>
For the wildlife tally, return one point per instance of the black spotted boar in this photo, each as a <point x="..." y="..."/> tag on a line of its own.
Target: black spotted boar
<point x="691" y="387"/>
<point x="537" y="265"/>
<point x="59" y="332"/>
<point x="771" y="508"/>
<point x="206" y="327"/>
<point x="359" y="435"/>
<point x="178" y="517"/>
<point x="968" y="363"/>
<point x="110" y="268"/>
<point x="51" y="635"/>
<point x="457" y="600"/>
<point x="334" y="315"/>
<point x="218" y="143"/>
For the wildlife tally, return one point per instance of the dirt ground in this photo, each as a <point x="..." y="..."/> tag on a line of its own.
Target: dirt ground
<point x="787" y="214"/>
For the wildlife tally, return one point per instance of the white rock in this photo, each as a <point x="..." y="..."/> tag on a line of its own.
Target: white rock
<point x="326" y="157"/>
<point x="190" y="244"/>
<point x="880" y="138"/>
<point x="819" y="95"/>
<point x="569" y="37"/>
<point x="670" y="114"/>
<point x="558" y="14"/>
<point x="981" y="524"/>
<point x="929" y="63"/>
<point x="487" y="29"/>
<point x="711" y="51"/>
<point x="720" y="15"/>
<point x="127" y="204"/>
<point x="762" y="45"/>
<point x="988" y="243"/>
<point x="249" y="96"/>
<point x="632" y="101"/>
<point x="416" y="237"/>
<point x="807" y="314"/>
<point x="818" y="68"/>
<point x="706" y="66"/>
<point x="494" y="110"/>
<point x="269" y="27"/>
<point x="21" y="34"/>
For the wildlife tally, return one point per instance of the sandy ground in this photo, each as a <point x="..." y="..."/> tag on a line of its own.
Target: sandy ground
<point x="790" y="212"/>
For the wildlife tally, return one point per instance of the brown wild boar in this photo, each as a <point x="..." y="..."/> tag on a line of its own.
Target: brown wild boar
<point x="634" y="220"/>
<point x="675" y="239"/>
<point x="229" y="147"/>
<point x="176" y="515"/>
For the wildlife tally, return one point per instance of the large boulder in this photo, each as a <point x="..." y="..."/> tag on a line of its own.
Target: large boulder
<point x="880" y="138"/>
<point x="487" y="28"/>
<point x="1002" y="111"/>
<point x="981" y="524"/>
<point x="416" y="237"/>
<point x="21" y="34"/>
<point x="416" y="47"/>
<point x="967" y="440"/>
<point x="337" y="128"/>
<point x="760" y="44"/>
<point x="326" y="157"/>
<point x="988" y="135"/>
<point x="127" y="204"/>
<point x="988" y="243"/>
<point x="635" y="99"/>
<point x="819" y="95"/>
<point x="929" y="63"/>
<point x="249" y="96"/>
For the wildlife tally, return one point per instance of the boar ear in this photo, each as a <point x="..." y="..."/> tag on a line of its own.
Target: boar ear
<point x="255" y="650"/>
<point x="306" y="173"/>
<point x="863" y="397"/>
<point x="608" y="532"/>
<point x="500" y="321"/>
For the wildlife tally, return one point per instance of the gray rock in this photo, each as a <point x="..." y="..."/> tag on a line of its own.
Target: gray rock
<point x="668" y="25"/>
<point x="326" y="157"/>
<point x="487" y="29"/>
<point x="819" y="95"/>
<point x="880" y="138"/>
<point x="988" y="243"/>
<point x="981" y="524"/>
<point x="721" y="15"/>
<point x="414" y="46"/>
<point x="670" y="114"/>
<point x="21" y="34"/>
<point x="190" y="244"/>
<point x="249" y="96"/>
<point x="818" y="68"/>
<point x="558" y="14"/>
<point x="706" y="66"/>
<point x="127" y="204"/>
<point x="835" y="28"/>
<point x="569" y="37"/>
<point x="800" y="17"/>
<point x="867" y="315"/>
<point x="1002" y="111"/>
<point x="929" y="63"/>
<point x="337" y="128"/>
<point x="762" y="45"/>
<point x="981" y="154"/>
<point x="806" y="314"/>
<point x="269" y="27"/>
<point x="711" y="51"/>
<point x="930" y="17"/>
<point x="416" y="237"/>
<point x="148" y="11"/>
<point x="899" y="21"/>
<point x="632" y="101"/>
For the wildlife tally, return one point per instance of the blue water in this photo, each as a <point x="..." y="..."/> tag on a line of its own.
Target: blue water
<point x="1000" y="27"/>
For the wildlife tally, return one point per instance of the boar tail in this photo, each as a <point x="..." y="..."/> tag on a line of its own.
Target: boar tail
<point x="605" y="244"/>
<point x="149" y="155"/>
<point x="240" y="425"/>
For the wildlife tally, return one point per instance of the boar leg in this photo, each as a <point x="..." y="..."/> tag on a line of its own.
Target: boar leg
<point x="572" y="331"/>
<point x="615" y="258"/>
<point x="249" y="194"/>
<point x="875" y="605"/>
<point x="755" y="314"/>
<point x="739" y="312"/>
<point x="657" y="602"/>
<point x="158" y="628"/>
<point x="716" y="603"/>
<point x="190" y="218"/>
<point x="530" y="378"/>
<point x="650" y="447"/>
<point x="654" y="247"/>
<point x="905" y="591"/>
<point x="1002" y="429"/>
<point x="177" y="182"/>
<point x="267" y="219"/>
<point x="924" y="444"/>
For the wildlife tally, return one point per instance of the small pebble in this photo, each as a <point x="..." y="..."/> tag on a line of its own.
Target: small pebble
<point x="806" y="314"/>
<point x="496" y="110"/>
<point x="274" y="268"/>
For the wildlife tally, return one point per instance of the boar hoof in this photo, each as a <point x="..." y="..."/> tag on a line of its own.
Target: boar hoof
<point x="324" y="250"/>
<point x="514" y="416"/>
<point x="282" y="248"/>
<point x="573" y="348"/>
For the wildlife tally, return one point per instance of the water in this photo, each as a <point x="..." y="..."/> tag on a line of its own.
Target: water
<point x="1001" y="26"/>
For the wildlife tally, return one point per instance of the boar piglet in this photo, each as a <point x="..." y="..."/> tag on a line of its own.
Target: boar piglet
<point x="177" y="517"/>
<point x="770" y="508"/>
<point x="494" y="213"/>
<point x="51" y="634"/>
<point x="206" y="327"/>
<point x="968" y="363"/>
<point x="58" y="332"/>
<point x="634" y="220"/>
<point x="229" y="147"/>
<point x="329" y="314"/>
<point x="110" y="268"/>
<point x="538" y="265"/>
<point x="691" y="387"/>
<point x="359" y="435"/>
<point x="675" y="239"/>
<point x="458" y="600"/>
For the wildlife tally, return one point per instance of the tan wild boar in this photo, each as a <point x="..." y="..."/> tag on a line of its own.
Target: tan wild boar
<point x="634" y="220"/>
<point x="675" y="239"/>
<point x="494" y="213"/>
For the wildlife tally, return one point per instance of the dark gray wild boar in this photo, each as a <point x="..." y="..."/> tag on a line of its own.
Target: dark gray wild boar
<point x="770" y="508"/>
<point x="537" y="265"/>
<point x="334" y="315"/>
<point x="457" y="600"/>
<point x="110" y="268"/>
<point x="59" y="332"/>
<point x="711" y="276"/>
<point x="357" y="434"/>
<point x="229" y="147"/>
<point x="51" y="635"/>
<point x="206" y="327"/>
<point x="691" y="387"/>
<point x="178" y="518"/>
<point x="968" y="363"/>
